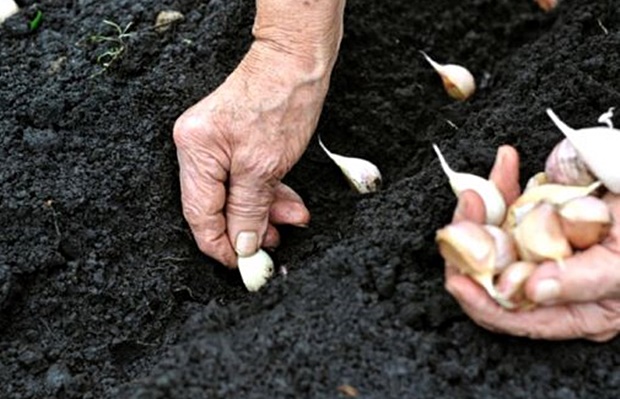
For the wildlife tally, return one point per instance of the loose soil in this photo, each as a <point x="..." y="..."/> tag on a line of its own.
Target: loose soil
<point x="103" y="292"/>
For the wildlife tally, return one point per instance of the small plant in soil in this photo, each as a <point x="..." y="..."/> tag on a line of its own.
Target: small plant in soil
<point x="116" y="45"/>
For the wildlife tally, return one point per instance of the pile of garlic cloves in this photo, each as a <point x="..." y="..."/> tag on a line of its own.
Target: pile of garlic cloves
<point x="559" y="213"/>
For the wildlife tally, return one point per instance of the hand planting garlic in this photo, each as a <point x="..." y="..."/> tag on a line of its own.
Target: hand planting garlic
<point x="457" y="80"/>
<point x="486" y="189"/>
<point x="7" y="9"/>
<point x="255" y="269"/>
<point x="363" y="176"/>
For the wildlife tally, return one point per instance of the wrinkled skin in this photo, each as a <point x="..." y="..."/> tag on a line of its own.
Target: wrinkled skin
<point x="235" y="146"/>
<point x="586" y="300"/>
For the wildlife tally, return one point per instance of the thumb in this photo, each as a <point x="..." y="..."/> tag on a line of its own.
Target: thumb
<point x="247" y="213"/>
<point x="588" y="276"/>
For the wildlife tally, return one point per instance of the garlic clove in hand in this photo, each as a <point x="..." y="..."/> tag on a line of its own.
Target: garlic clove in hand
<point x="255" y="269"/>
<point x="457" y="80"/>
<point x="539" y="235"/>
<point x="511" y="283"/>
<point x="494" y="203"/>
<point x="363" y="176"/>
<point x="538" y="179"/>
<point x="597" y="148"/>
<point x="564" y="166"/>
<point x="505" y="248"/>
<point x="585" y="221"/>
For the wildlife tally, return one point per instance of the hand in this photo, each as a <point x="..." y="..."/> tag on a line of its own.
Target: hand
<point x="580" y="301"/>
<point x="236" y="145"/>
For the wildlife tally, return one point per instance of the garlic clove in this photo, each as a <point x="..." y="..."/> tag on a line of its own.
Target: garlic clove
<point x="555" y="194"/>
<point x="7" y="9"/>
<point x="539" y="235"/>
<point x="363" y="176"/>
<point x="255" y="269"/>
<point x="511" y="283"/>
<point x="605" y="118"/>
<point x="564" y="166"/>
<point x="547" y="5"/>
<point x="457" y="80"/>
<point x="597" y="147"/>
<point x="494" y="203"/>
<point x="538" y="179"/>
<point x="585" y="221"/>
<point x="505" y="248"/>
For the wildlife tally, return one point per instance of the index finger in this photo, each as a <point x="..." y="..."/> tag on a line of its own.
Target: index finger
<point x="505" y="173"/>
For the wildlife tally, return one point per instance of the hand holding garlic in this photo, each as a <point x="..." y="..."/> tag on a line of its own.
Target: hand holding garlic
<point x="580" y="300"/>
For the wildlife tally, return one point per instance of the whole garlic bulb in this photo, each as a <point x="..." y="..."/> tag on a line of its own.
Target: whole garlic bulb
<point x="564" y="166"/>
<point x="457" y="80"/>
<point x="597" y="148"/>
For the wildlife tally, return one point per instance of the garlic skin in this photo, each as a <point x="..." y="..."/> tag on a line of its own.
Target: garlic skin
<point x="547" y="5"/>
<point x="363" y="176"/>
<point x="597" y="148"/>
<point x="255" y="270"/>
<point x="471" y="249"/>
<point x="539" y="236"/>
<point x="586" y="221"/>
<point x="564" y="166"/>
<point x="7" y="9"/>
<point x="166" y="18"/>
<point x="457" y="80"/>
<point x="494" y="203"/>
<point x="538" y="179"/>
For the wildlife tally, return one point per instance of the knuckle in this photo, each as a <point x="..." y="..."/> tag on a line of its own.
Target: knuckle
<point x="186" y="128"/>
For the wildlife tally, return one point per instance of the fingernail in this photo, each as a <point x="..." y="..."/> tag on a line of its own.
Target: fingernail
<point x="246" y="243"/>
<point x="461" y="209"/>
<point x="546" y="291"/>
<point x="501" y="156"/>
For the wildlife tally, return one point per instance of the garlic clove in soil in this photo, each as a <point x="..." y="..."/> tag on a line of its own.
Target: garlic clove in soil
<point x="597" y="148"/>
<point x="511" y="283"/>
<point x="255" y="269"/>
<point x="564" y="166"/>
<point x="471" y="249"/>
<point x="457" y="80"/>
<point x="363" y="176"/>
<point x="585" y="221"/>
<point x="7" y="9"/>
<point x="539" y="235"/>
<point x="494" y="203"/>
<point x="505" y="248"/>
<point x="555" y="194"/>
<point x="547" y="5"/>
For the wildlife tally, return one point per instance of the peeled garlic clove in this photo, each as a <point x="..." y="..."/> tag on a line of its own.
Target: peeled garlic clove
<point x="538" y="179"/>
<point x="511" y="282"/>
<point x="597" y="148"/>
<point x="505" y="249"/>
<point x="457" y="80"/>
<point x="363" y="176"/>
<point x="487" y="190"/>
<point x="555" y="194"/>
<point x="585" y="221"/>
<point x="547" y="5"/>
<point x="7" y="9"/>
<point x="564" y="166"/>
<point x="255" y="269"/>
<point x="539" y="235"/>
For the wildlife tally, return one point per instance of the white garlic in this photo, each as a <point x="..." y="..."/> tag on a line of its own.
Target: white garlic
<point x="255" y="269"/>
<point x="363" y="176"/>
<point x="505" y="248"/>
<point x="597" y="148"/>
<point x="605" y="118"/>
<point x="564" y="166"/>
<point x="457" y="80"/>
<point x="7" y="9"/>
<point x="494" y="203"/>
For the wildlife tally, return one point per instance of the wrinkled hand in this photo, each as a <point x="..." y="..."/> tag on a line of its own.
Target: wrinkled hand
<point x="236" y="145"/>
<point x="580" y="301"/>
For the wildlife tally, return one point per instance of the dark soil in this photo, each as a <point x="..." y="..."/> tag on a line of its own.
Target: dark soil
<point x="104" y="294"/>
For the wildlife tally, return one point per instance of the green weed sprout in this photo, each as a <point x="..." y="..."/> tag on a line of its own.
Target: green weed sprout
<point x="117" y="45"/>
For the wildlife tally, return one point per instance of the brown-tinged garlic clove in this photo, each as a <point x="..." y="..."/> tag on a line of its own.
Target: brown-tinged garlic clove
<point x="505" y="248"/>
<point x="564" y="166"/>
<point x="458" y="82"/>
<point x="585" y="221"/>
<point x="539" y="235"/>
<point x="538" y="179"/>
<point x="555" y="194"/>
<point x="511" y="282"/>
<point x="547" y="5"/>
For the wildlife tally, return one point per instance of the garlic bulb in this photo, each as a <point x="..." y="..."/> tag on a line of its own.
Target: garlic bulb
<point x="564" y="166"/>
<point x="505" y="249"/>
<point x="539" y="235"/>
<point x="471" y="249"/>
<point x="457" y="80"/>
<point x="494" y="203"/>
<point x="585" y="221"/>
<point x="547" y="5"/>
<point x="7" y="9"/>
<point x="255" y="269"/>
<point x="363" y="176"/>
<point x="597" y="148"/>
